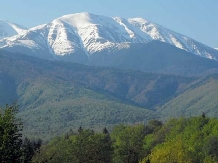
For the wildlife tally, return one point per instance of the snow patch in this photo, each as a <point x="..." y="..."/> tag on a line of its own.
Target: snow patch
<point x="8" y="29"/>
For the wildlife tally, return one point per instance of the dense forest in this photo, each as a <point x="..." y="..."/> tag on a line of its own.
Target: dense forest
<point x="56" y="96"/>
<point x="190" y="140"/>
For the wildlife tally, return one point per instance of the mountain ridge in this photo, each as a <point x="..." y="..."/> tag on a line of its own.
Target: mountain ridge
<point x="8" y="29"/>
<point x="82" y="35"/>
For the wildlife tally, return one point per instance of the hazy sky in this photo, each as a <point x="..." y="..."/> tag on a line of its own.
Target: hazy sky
<point x="195" y="18"/>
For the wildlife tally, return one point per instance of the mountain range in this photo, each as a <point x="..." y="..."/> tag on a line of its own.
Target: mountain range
<point x="83" y="36"/>
<point x="96" y="71"/>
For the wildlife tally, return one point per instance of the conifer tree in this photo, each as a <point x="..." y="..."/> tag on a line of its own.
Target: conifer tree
<point x="10" y="135"/>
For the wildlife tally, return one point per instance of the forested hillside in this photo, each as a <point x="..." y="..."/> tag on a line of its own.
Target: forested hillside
<point x="55" y="97"/>
<point x="200" y="97"/>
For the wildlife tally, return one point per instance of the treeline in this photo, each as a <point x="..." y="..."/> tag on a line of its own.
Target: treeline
<point x="188" y="140"/>
<point x="123" y="144"/>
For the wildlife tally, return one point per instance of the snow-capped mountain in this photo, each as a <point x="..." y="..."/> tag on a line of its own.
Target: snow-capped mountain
<point x="77" y="37"/>
<point x="8" y="29"/>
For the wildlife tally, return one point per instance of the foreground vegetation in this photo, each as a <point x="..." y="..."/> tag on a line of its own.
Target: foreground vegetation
<point x="189" y="140"/>
<point x="178" y="140"/>
<point x="13" y="147"/>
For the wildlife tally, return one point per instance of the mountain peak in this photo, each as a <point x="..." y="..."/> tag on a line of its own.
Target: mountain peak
<point x="78" y="19"/>
<point x="84" y="14"/>
<point x="87" y="33"/>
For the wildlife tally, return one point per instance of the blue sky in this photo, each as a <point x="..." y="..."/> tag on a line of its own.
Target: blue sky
<point x="195" y="18"/>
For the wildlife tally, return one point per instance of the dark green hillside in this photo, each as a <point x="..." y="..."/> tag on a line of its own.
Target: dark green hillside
<point x="201" y="97"/>
<point x="53" y="102"/>
<point x="133" y="87"/>
<point x="57" y="96"/>
<point x="144" y="89"/>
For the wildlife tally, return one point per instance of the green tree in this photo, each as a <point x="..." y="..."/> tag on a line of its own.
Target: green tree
<point x="91" y="147"/>
<point x="211" y="147"/>
<point x="85" y="147"/>
<point x="10" y="135"/>
<point x="128" y="143"/>
<point x="29" y="148"/>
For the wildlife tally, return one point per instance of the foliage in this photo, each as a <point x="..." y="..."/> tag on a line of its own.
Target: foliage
<point x="124" y="144"/>
<point x="12" y="147"/>
<point x="29" y="148"/>
<point x="128" y="143"/>
<point x="86" y="146"/>
<point x="10" y="135"/>
<point x="189" y="140"/>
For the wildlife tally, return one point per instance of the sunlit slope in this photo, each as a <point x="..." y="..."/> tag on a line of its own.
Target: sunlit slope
<point x="199" y="98"/>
